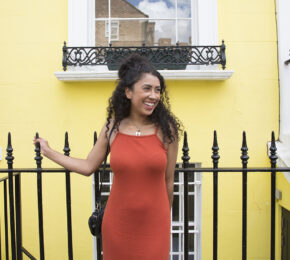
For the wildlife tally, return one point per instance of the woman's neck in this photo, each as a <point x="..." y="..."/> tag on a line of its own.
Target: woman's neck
<point x="138" y="120"/>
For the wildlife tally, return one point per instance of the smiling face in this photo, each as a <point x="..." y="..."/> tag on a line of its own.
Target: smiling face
<point x="144" y="95"/>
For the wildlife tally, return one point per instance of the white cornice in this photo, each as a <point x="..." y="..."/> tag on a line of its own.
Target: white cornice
<point x="167" y="74"/>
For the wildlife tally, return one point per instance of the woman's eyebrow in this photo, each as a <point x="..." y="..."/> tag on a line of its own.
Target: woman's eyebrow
<point x="148" y="85"/>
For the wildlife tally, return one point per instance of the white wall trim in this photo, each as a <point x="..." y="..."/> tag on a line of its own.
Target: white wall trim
<point x="207" y="22"/>
<point x="81" y="30"/>
<point x="283" y="20"/>
<point x="283" y="145"/>
<point x="167" y="74"/>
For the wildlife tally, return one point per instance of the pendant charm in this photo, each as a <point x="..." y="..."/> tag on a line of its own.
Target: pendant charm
<point x="138" y="132"/>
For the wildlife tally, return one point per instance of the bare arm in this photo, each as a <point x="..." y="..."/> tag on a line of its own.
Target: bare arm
<point x="83" y="166"/>
<point x="171" y="162"/>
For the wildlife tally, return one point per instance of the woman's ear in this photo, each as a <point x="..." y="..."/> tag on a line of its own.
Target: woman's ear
<point x="128" y="93"/>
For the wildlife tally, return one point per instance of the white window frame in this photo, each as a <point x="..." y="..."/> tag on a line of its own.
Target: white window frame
<point x="82" y="16"/>
<point x="81" y="32"/>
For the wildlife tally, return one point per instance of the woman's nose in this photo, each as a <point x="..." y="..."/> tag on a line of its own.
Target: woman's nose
<point x="153" y="95"/>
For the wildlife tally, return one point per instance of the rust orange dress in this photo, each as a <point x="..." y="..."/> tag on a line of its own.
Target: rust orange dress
<point x="136" y="223"/>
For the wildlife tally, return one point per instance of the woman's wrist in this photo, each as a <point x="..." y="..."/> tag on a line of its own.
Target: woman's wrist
<point x="46" y="151"/>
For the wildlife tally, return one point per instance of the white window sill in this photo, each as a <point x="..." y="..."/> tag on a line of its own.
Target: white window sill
<point x="283" y="153"/>
<point x="167" y="74"/>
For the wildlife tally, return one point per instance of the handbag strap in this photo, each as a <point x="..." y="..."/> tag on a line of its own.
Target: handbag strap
<point x="98" y="197"/>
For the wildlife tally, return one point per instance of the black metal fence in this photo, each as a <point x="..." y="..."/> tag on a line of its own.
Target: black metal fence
<point x="14" y="182"/>
<point x="162" y="57"/>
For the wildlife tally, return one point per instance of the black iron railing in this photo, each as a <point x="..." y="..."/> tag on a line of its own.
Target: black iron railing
<point x="14" y="175"/>
<point x="162" y="57"/>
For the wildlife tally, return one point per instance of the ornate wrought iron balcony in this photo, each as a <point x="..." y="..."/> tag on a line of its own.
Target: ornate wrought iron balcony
<point x="162" y="57"/>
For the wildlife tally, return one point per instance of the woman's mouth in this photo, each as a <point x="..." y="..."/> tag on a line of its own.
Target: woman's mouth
<point x="149" y="105"/>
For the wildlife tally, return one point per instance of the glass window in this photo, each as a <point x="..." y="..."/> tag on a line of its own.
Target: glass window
<point x="114" y="30"/>
<point x="137" y="22"/>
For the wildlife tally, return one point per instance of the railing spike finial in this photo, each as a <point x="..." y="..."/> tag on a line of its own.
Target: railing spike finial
<point x="95" y="137"/>
<point x="185" y="139"/>
<point x="185" y="149"/>
<point x="66" y="148"/>
<point x="38" y="156"/>
<point x="64" y="56"/>
<point x="273" y="157"/>
<point x="215" y="148"/>
<point x="244" y="149"/>
<point x="215" y="143"/>
<point x="244" y="139"/>
<point x="9" y="139"/>
<point x="9" y="158"/>
<point x="223" y="55"/>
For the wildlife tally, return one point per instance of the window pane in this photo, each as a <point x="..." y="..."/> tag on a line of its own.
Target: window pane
<point x="125" y="9"/>
<point x="136" y="32"/>
<point x="184" y="32"/>
<point x="175" y="208"/>
<point x="102" y="33"/>
<point x="156" y="9"/>
<point x="164" y="32"/>
<point x="101" y="9"/>
<point x="183" y="8"/>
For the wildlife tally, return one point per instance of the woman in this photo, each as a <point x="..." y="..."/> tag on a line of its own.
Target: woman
<point x="143" y="146"/>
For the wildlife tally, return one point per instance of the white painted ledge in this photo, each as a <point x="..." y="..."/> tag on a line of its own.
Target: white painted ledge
<point x="167" y="74"/>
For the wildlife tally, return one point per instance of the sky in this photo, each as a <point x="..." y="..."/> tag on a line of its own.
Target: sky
<point x="166" y="9"/>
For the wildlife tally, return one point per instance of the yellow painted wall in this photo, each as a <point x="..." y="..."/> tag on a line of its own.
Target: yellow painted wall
<point x="32" y="99"/>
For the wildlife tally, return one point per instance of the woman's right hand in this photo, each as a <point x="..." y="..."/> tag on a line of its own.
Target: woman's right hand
<point x="44" y="147"/>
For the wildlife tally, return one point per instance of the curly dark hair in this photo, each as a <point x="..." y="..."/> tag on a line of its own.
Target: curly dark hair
<point x="130" y="71"/>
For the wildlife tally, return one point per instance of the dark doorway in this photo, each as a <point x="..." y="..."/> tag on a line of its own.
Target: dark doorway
<point x="285" y="234"/>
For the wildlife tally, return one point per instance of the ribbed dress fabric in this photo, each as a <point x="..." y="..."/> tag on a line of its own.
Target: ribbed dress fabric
<point x="136" y="223"/>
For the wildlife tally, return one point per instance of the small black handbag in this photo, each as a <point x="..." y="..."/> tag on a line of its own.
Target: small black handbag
<point x="95" y="220"/>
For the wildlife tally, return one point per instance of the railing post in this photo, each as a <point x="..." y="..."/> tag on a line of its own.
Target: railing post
<point x="38" y="159"/>
<point x="18" y="216"/>
<point x="223" y="55"/>
<point x="97" y="190"/>
<point x="185" y="164"/>
<point x="215" y="158"/>
<point x="64" y="56"/>
<point x="66" y="150"/>
<point x="244" y="158"/>
<point x="10" y="159"/>
<point x="273" y="157"/>
<point x="6" y="220"/>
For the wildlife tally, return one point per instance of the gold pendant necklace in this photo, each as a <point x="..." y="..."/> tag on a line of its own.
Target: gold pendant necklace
<point x="138" y="131"/>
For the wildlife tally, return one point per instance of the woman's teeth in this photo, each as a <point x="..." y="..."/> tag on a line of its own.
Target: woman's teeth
<point x="149" y="104"/>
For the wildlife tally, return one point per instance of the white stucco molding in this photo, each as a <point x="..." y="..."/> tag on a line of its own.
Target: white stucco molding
<point x="167" y="74"/>
<point x="283" y="153"/>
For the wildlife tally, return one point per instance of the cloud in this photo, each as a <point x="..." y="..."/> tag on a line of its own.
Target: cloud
<point x="166" y="28"/>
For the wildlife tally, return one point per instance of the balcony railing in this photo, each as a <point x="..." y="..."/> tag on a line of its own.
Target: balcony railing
<point x="162" y="57"/>
<point x="187" y="169"/>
